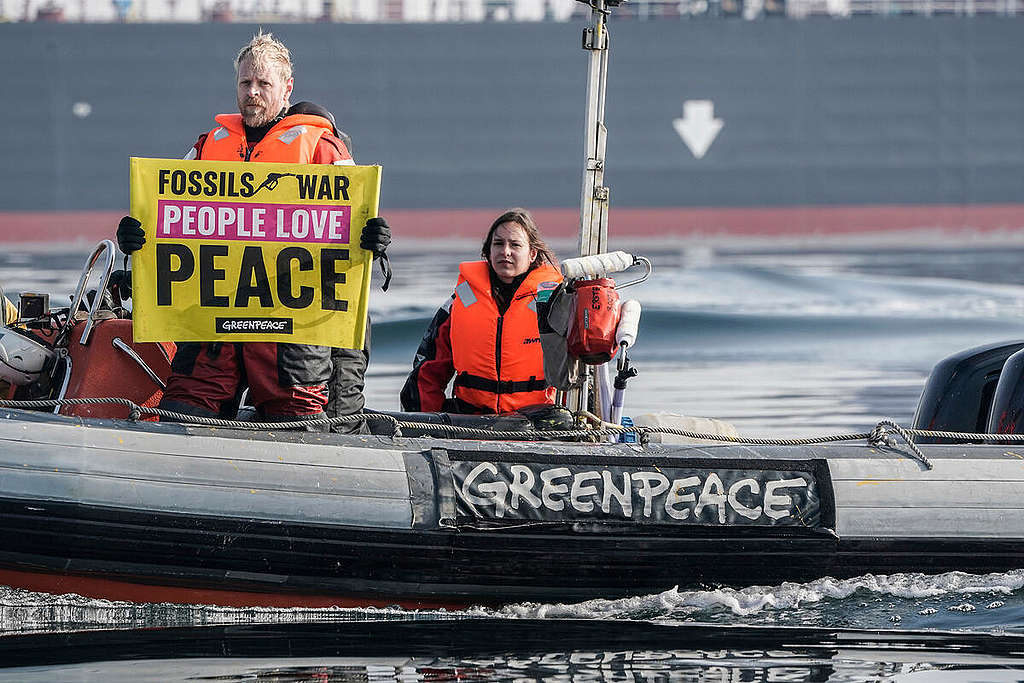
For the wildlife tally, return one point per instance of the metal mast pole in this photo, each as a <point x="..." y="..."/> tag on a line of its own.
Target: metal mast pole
<point x="593" y="235"/>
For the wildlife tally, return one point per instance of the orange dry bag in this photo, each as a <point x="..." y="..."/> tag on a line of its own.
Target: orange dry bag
<point x="592" y="329"/>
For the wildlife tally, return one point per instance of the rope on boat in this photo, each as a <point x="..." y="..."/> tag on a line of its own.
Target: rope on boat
<point x="137" y="411"/>
<point x="880" y="436"/>
<point x="434" y="429"/>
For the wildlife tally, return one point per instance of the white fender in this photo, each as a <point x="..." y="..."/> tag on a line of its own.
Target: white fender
<point x="598" y="265"/>
<point x="629" y="322"/>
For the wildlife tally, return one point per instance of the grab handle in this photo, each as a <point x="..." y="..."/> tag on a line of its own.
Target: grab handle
<point x="105" y="248"/>
<point x="120" y="345"/>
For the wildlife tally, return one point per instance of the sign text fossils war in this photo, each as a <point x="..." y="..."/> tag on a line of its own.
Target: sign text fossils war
<point x="196" y="183"/>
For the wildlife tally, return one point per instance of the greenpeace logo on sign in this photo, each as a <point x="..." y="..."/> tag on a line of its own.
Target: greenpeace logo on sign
<point x="268" y="325"/>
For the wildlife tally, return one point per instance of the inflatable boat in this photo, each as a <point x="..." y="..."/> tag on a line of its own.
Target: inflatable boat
<point x="428" y="513"/>
<point x="156" y="512"/>
<point x="98" y="499"/>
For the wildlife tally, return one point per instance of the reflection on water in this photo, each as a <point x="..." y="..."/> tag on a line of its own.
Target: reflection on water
<point x="490" y="650"/>
<point x="720" y="666"/>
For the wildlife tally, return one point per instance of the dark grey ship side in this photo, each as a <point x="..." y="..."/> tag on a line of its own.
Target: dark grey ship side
<point x="871" y="114"/>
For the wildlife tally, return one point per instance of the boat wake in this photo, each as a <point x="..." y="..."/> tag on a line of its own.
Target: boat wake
<point x="992" y="603"/>
<point x="952" y="600"/>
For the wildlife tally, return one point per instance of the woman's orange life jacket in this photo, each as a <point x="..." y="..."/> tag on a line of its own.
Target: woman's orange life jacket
<point x="292" y="140"/>
<point x="498" y="359"/>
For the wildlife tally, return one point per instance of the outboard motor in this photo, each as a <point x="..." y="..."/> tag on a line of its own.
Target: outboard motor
<point x="959" y="392"/>
<point x="1006" y="416"/>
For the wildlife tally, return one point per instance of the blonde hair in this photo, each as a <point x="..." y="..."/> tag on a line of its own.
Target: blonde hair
<point x="264" y="48"/>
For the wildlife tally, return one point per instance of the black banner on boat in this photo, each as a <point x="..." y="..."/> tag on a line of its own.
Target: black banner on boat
<point x="705" y="493"/>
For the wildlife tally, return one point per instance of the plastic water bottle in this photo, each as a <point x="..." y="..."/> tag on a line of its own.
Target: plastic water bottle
<point x="627" y="437"/>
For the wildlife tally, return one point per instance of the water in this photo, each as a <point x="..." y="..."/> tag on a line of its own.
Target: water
<point x="781" y="341"/>
<point x="794" y="342"/>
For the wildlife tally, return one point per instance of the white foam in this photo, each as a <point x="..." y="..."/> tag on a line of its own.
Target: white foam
<point x="755" y="599"/>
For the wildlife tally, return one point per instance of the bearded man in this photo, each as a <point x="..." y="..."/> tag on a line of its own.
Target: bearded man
<point x="285" y="381"/>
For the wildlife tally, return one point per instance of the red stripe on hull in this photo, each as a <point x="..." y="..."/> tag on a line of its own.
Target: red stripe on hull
<point x="126" y="591"/>
<point x="91" y="226"/>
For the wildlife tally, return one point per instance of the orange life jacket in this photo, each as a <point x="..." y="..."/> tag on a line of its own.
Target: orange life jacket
<point x="292" y="140"/>
<point x="498" y="359"/>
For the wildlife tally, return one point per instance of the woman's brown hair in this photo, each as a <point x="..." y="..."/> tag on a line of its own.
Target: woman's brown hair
<point x="523" y="219"/>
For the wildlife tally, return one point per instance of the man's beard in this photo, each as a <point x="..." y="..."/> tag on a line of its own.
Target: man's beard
<point x="258" y="117"/>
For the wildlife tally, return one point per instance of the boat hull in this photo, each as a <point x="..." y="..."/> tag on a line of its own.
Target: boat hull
<point x="113" y="561"/>
<point x="155" y="513"/>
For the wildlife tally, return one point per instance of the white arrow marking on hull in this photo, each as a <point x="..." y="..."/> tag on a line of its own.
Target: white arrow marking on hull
<point x="698" y="128"/>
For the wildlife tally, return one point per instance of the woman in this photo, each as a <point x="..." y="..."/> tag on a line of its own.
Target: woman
<point x="486" y="334"/>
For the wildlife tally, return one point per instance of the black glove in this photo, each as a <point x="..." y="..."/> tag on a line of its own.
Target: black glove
<point x="130" y="235"/>
<point x="120" y="283"/>
<point x="376" y="236"/>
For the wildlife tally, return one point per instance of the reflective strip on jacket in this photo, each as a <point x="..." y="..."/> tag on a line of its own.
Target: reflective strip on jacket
<point x="292" y="140"/>
<point x="498" y="359"/>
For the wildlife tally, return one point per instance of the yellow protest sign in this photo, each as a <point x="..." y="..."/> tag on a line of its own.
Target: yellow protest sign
<point x="251" y="252"/>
